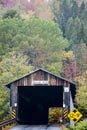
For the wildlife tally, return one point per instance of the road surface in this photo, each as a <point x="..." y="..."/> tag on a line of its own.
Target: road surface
<point x="39" y="127"/>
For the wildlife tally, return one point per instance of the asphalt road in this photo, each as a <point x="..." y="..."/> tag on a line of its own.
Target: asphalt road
<point x="40" y="127"/>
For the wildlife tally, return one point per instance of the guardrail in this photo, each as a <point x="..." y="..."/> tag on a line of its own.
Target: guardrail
<point x="6" y="122"/>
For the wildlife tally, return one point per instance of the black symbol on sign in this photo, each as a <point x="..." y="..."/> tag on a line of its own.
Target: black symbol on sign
<point x="74" y="111"/>
<point x="75" y="120"/>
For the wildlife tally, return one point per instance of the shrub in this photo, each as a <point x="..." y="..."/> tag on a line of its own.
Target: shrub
<point x="82" y="125"/>
<point x="54" y="115"/>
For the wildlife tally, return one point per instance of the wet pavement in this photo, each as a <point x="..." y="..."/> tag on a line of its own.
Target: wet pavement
<point x="38" y="127"/>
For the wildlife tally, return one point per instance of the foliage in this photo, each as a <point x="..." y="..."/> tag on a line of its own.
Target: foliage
<point x="55" y="67"/>
<point x="12" y="67"/>
<point x="81" y="96"/>
<point x="82" y="125"/>
<point x="8" y="33"/>
<point x="4" y="103"/>
<point x="72" y="23"/>
<point x="70" y="68"/>
<point x="25" y="8"/>
<point x="29" y="14"/>
<point x="81" y="52"/>
<point x="34" y="37"/>
<point x="10" y="14"/>
<point x="73" y="30"/>
<point x="37" y="37"/>
<point x="54" y="115"/>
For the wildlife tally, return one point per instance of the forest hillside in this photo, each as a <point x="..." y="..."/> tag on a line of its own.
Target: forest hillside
<point x="47" y="34"/>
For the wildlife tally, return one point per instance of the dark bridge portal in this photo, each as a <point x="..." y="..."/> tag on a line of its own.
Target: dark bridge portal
<point x="34" y="102"/>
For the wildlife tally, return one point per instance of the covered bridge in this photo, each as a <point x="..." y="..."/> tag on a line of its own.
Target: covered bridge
<point x="37" y="91"/>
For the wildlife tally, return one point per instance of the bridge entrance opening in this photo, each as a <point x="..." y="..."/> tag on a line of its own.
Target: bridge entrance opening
<point x="34" y="103"/>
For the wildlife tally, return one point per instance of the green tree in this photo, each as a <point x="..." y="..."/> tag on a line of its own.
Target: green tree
<point x="74" y="9"/>
<point x="69" y="27"/>
<point x="73" y="30"/>
<point x="62" y="16"/>
<point x="10" y="14"/>
<point x="82" y="61"/>
<point x="82" y="8"/>
<point x="39" y="39"/>
<point x="43" y="39"/>
<point x="8" y="31"/>
<point x="12" y="67"/>
<point x="69" y="22"/>
<point x="4" y="103"/>
<point x="66" y="10"/>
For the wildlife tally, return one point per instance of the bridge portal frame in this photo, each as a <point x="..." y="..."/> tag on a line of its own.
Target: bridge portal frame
<point x="42" y="77"/>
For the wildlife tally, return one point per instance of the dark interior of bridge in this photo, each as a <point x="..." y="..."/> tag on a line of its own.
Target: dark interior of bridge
<point x="34" y="103"/>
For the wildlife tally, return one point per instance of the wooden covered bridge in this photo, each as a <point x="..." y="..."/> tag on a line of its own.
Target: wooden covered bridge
<point x="33" y="94"/>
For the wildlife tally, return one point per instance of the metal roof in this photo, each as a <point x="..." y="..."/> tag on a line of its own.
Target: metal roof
<point x="8" y="84"/>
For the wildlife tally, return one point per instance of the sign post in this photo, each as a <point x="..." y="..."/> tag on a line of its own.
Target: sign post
<point x="66" y="104"/>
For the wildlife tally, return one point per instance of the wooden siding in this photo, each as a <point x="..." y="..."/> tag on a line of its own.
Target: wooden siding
<point x="40" y="76"/>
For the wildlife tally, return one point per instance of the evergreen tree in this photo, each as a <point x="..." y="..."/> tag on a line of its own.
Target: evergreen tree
<point x="82" y="8"/>
<point x="64" y="14"/>
<point x="69" y="28"/>
<point x="74" y="9"/>
<point x="72" y="19"/>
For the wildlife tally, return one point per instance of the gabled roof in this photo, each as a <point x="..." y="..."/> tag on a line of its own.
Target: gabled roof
<point x="39" y="69"/>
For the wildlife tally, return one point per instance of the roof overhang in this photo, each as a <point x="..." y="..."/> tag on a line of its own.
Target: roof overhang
<point x="39" y="69"/>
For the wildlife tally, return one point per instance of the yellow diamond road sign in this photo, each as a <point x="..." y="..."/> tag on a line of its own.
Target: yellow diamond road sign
<point x="74" y="115"/>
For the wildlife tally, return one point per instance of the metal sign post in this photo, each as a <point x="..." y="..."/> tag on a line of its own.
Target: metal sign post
<point x="67" y="98"/>
<point x="66" y="102"/>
